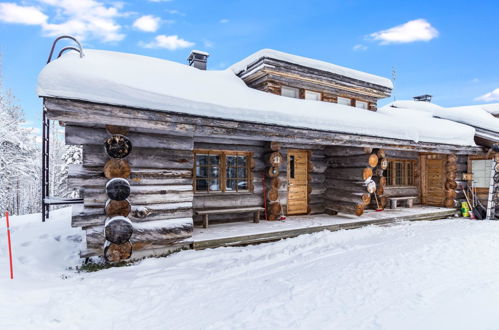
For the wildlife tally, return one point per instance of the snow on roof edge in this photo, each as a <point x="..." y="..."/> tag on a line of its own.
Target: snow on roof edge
<point x="312" y="63"/>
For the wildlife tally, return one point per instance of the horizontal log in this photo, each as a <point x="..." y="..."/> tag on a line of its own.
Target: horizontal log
<point x="78" y="135"/>
<point x="143" y="157"/>
<point x="81" y="176"/>
<point x="87" y="217"/>
<point x="347" y="196"/>
<point x="346" y="151"/>
<point x="96" y="199"/>
<point x="347" y="185"/>
<point x="354" y="173"/>
<point x="162" y="232"/>
<point x="363" y="160"/>
<point x="345" y="207"/>
<point x="212" y="201"/>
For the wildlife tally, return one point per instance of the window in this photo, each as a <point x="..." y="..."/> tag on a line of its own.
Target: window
<point x="481" y="169"/>
<point x="290" y="92"/>
<point x="309" y="95"/>
<point x="221" y="171"/>
<point x="361" y="104"/>
<point x="344" y="100"/>
<point x="400" y="172"/>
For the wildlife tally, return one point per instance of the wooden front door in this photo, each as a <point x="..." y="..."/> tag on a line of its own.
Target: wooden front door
<point x="297" y="181"/>
<point x="434" y="182"/>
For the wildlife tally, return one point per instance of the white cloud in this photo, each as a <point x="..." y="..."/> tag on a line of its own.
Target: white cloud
<point x="416" y="30"/>
<point x="224" y="20"/>
<point x="147" y="23"/>
<point x="82" y="18"/>
<point x="359" y="47"/>
<point x="13" y="13"/>
<point x="489" y="97"/>
<point x="208" y="43"/>
<point x="168" y="42"/>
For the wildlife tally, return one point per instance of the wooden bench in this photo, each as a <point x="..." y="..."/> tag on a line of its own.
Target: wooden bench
<point x="394" y="200"/>
<point x="206" y="213"/>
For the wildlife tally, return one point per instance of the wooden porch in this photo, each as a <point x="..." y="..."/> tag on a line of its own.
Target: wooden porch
<point x="244" y="233"/>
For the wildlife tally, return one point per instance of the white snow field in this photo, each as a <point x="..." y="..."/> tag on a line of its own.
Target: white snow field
<point x="419" y="275"/>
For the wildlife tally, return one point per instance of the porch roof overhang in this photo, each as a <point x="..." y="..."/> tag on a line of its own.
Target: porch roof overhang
<point x="89" y="113"/>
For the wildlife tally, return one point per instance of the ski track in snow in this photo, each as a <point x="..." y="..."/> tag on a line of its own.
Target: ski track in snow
<point x="420" y="275"/>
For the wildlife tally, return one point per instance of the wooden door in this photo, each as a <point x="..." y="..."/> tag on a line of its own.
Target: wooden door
<point x="434" y="182"/>
<point x="297" y="181"/>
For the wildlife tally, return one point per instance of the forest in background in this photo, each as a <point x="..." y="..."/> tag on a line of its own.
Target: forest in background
<point x="21" y="159"/>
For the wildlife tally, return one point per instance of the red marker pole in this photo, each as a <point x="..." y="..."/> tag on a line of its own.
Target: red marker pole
<point x="10" y="246"/>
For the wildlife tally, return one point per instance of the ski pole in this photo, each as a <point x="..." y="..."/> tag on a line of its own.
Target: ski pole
<point x="10" y="245"/>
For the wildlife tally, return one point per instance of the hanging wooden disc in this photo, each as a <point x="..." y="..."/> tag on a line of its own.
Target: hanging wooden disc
<point x="117" y="168"/>
<point x="118" y="189"/>
<point x="118" y="146"/>
<point x="272" y="172"/>
<point x="117" y="252"/>
<point x="122" y="130"/>
<point x="118" y="230"/>
<point x="380" y="153"/>
<point x="117" y="208"/>
<point x="274" y="159"/>
<point x="383" y="163"/>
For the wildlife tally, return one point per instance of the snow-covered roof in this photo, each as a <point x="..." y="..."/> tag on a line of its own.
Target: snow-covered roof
<point x="492" y="108"/>
<point x="151" y="83"/>
<point x="474" y="116"/>
<point x="311" y="63"/>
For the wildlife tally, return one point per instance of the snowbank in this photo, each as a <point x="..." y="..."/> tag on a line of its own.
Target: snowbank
<point x="425" y="275"/>
<point x="311" y="63"/>
<point x="151" y="83"/>
<point x="477" y="116"/>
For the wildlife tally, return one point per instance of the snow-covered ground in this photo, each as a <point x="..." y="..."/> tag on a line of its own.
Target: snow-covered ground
<point x="419" y="275"/>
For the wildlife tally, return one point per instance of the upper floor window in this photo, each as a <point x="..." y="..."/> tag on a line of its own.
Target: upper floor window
<point x="400" y="172"/>
<point x="310" y="95"/>
<point x="221" y="171"/>
<point x="344" y="101"/>
<point x="361" y="104"/>
<point x="290" y="91"/>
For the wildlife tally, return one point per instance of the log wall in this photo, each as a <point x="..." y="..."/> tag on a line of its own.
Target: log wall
<point x="160" y="184"/>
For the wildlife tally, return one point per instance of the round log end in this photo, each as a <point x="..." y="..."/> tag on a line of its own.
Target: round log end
<point x="117" y="252"/>
<point x="275" y="159"/>
<point x="118" y="146"/>
<point x="371" y="187"/>
<point x="450" y="184"/>
<point x="383" y="164"/>
<point x="117" y="208"/>
<point x="273" y="195"/>
<point x="366" y="199"/>
<point x="118" y="229"/>
<point x="359" y="210"/>
<point x="450" y="203"/>
<point x="121" y="130"/>
<point x="367" y="173"/>
<point x="451" y="158"/>
<point x="117" y="168"/>
<point x="275" y="208"/>
<point x="118" y="189"/>
<point x="275" y="183"/>
<point x="373" y="160"/>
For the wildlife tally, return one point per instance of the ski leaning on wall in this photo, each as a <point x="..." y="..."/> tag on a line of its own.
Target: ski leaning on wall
<point x="493" y="199"/>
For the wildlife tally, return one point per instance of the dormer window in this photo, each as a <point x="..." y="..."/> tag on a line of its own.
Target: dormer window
<point x="361" y="104"/>
<point x="344" y="101"/>
<point x="290" y="92"/>
<point x="315" y="96"/>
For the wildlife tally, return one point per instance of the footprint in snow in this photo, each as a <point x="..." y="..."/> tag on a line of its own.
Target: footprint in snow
<point x="25" y="244"/>
<point x="58" y="238"/>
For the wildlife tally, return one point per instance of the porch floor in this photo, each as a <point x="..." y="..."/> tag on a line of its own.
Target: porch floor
<point x="243" y="233"/>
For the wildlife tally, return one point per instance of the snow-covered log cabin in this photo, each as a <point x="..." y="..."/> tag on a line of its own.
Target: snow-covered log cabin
<point x="168" y="146"/>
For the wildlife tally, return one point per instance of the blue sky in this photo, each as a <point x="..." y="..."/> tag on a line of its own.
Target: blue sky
<point x="449" y="49"/>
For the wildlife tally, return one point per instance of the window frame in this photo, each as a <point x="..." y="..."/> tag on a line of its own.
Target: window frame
<point x="222" y="178"/>
<point x="364" y="102"/>
<point x="479" y="190"/>
<point x="391" y="180"/>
